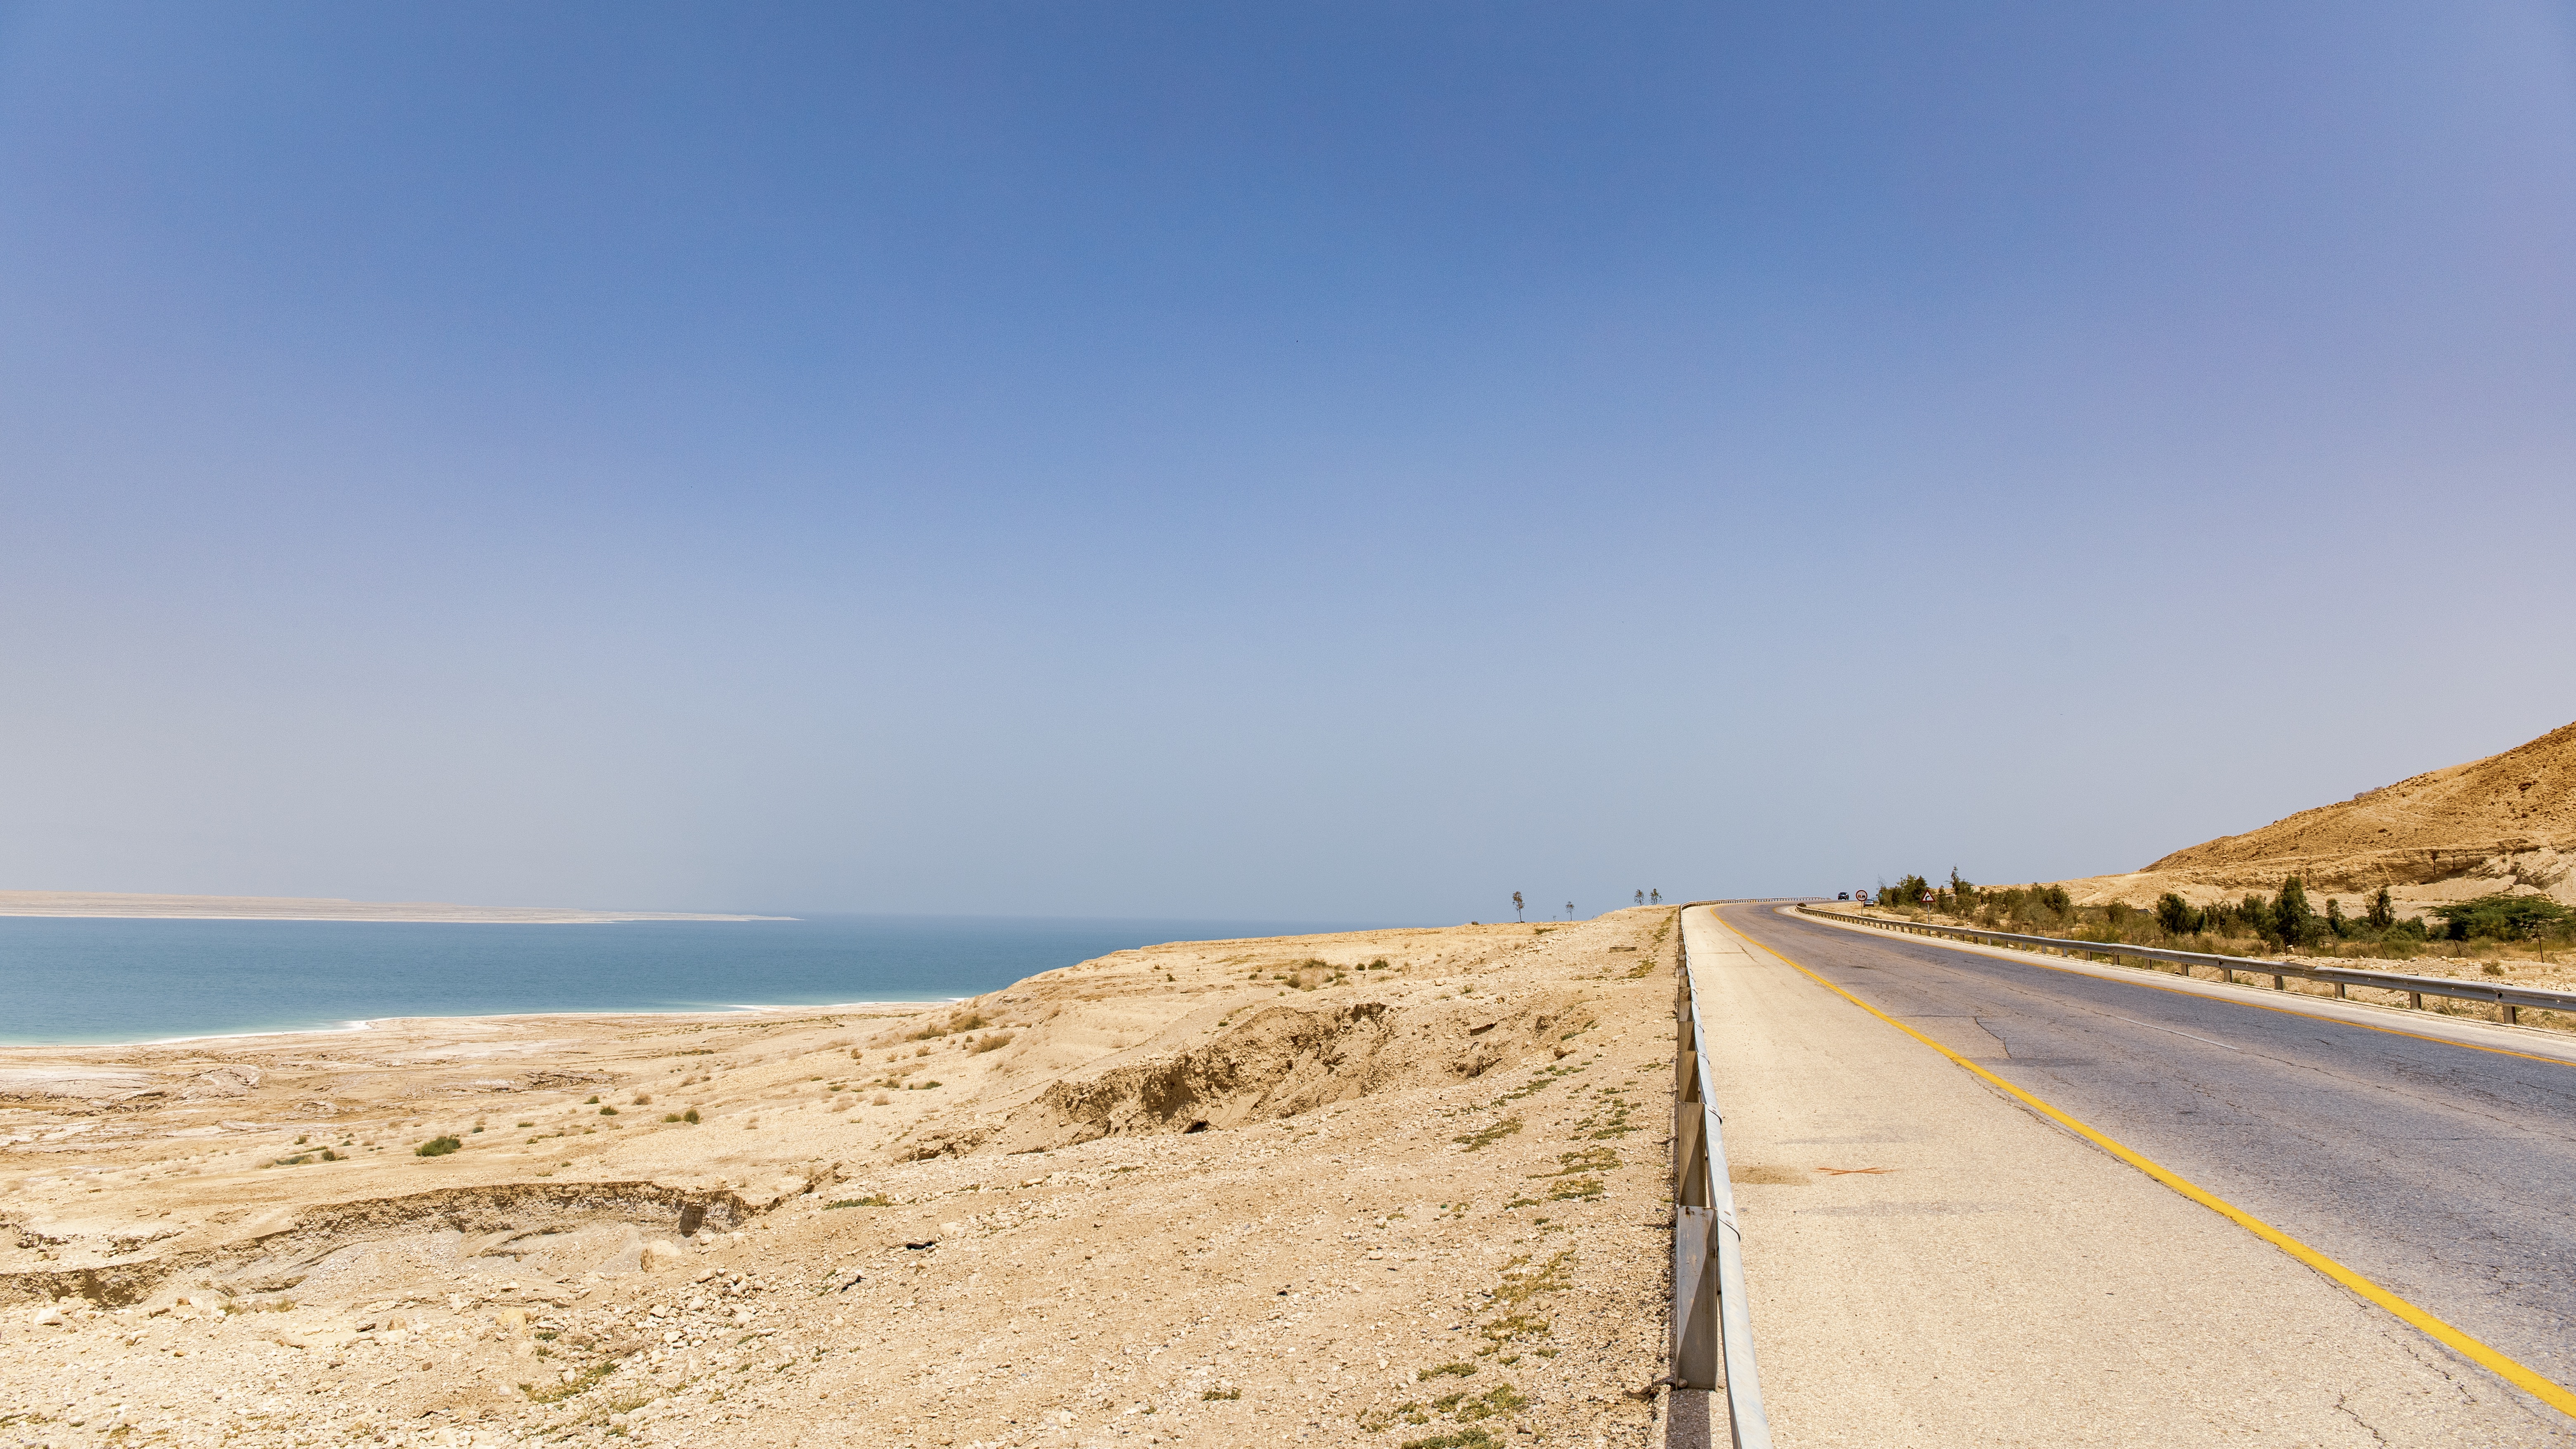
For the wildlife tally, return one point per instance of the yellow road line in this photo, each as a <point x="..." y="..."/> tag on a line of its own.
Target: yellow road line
<point x="2029" y="959"/>
<point x="2511" y="1370"/>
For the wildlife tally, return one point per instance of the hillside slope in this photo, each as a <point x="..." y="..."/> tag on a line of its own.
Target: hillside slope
<point x="2503" y="823"/>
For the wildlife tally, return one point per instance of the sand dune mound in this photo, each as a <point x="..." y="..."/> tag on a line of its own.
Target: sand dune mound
<point x="2504" y="823"/>
<point x="513" y="1221"/>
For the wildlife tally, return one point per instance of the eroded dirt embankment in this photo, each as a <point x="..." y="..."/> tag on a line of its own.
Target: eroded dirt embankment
<point x="1359" y="1189"/>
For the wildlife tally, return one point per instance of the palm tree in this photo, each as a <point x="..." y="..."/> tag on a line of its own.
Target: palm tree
<point x="1516" y="905"/>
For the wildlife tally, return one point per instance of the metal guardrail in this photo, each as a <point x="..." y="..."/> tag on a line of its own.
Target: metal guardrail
<point x="2509" y="1001"/>
<point x="1712" y="1337"/>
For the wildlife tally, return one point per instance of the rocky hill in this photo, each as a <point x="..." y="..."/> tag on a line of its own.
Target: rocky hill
<point x="2503" y="823"/>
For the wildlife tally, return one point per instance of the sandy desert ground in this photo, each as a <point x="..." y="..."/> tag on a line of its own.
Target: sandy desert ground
<point x="1402" y="1187"/>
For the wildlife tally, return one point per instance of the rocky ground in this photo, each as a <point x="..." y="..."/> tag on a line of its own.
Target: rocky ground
<point x="1392" y="1188"/>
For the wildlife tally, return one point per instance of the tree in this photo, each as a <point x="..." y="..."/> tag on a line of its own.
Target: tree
<point x="1655" y="897"/>
<point x="2336" y="925"/>
<point x="2177" y="915"/>
<point x="1641" y="898"/>
<point x="1516" y="905"/>
<point x="1913" y="890"/>
<point x="2292" y="918"/>
<point x="1962" y="890"/>
<point x="2383" y="911"/>
<point x="1569" y="910"/>
<point x="2507" y="918"/>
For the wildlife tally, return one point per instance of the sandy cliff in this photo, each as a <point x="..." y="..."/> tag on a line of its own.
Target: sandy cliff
<point x="2504" y="823"/>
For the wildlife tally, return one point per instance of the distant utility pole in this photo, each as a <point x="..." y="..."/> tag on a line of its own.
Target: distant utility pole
<point x="1516" y="905"/>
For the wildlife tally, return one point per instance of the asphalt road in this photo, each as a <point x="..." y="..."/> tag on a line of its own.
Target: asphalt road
<point x="2445" y="1173"/>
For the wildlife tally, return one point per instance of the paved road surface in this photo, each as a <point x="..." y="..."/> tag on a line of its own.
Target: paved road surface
<point x="1932" y="1263"/>
<point x="2445" y="1174"/>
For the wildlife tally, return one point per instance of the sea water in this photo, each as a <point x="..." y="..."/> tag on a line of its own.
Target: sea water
<point x="90" y="980"/>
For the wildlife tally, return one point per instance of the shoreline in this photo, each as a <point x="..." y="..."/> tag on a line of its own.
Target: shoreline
<point x="495" y="1018"/>
<point x="636" y="918"/>
<point x="147" y="906"/>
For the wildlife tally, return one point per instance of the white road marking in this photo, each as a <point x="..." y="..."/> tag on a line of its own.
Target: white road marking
<point x="2151" y="1026"/>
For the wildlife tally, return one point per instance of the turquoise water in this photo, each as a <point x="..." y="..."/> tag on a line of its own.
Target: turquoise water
<point x="71" y="981"/>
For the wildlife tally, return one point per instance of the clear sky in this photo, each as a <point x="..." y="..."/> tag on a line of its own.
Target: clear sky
<point x="1300" y="461"/>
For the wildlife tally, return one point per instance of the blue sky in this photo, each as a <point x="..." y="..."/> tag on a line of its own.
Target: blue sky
<point x="1319" y="461"/>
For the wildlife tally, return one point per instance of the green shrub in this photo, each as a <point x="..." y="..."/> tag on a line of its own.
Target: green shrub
<point x="690" y="1115"/>
<point x="438" y="1147"/>
<point x="2255" y="917"/>
<point x="2178" y="916"/>
<point x="607" y="1111"/>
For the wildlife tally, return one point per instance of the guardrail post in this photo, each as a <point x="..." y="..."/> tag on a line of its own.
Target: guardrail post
<point x="1690" y="1154"/>
<point x="1697" y="1360"/>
